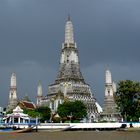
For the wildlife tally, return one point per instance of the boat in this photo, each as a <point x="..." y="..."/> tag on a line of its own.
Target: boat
<point x="29" y="129"/>
<point x="13" y="130"/>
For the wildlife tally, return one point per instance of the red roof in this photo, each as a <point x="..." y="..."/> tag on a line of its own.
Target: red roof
<point x="28" y="105"/>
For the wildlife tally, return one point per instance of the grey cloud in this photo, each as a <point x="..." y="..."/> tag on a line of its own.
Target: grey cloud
<point x="31" y="33"/>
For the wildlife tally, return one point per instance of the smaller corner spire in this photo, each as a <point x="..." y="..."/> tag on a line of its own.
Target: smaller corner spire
<point x="39" y="89"/>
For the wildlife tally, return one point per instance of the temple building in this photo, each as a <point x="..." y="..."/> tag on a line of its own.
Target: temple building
<point x="110" y="112"/>
<point x="14" y="101"/>
<point x="39" y="95"/>
<point x="12" y="94"/>
<point x="41" y="100"/>
<point x="17" y="117"/>
<point x="70" y="84"/>
<point x="26" y="105"/>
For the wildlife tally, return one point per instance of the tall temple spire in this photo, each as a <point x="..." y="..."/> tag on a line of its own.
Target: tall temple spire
<point x="39" y="94"/>
<point x="13" y="80"/>
<point x="70" y="84"/>
<point x="39" y="89"/>
<point x="69" y="37"/>
<point x="13" y="93"/>
<point x="13" y="87"/>
<point x="110" y="112"/>
<point x="70" y="67"/>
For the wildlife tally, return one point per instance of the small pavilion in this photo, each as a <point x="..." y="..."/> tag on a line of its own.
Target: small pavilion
<point x="17" y="117"/>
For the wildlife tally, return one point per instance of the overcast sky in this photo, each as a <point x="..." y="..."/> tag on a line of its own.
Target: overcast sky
<point x="107" y="32"/>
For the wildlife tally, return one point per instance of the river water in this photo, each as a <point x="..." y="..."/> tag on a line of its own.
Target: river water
<point x="73" y="135"/>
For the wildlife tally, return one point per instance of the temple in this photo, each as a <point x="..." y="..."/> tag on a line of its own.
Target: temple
<point x="70" y="84"/>
<point x="13" y="101"/>
<point x="110" y="111"/>
<point x="17" y="117"/>
<point x="39" y="94"/>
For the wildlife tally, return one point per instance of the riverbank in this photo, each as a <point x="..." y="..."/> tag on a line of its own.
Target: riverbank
<point x="73" y="135"/>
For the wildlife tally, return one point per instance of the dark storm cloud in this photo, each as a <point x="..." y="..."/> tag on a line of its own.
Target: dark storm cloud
<point x="31" y="33"/>
<point x="113" y="33"/>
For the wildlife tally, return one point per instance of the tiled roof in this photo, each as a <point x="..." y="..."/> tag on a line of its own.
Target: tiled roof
<point x="28" y="105"/>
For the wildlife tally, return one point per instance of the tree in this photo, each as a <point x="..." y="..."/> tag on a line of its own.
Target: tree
<point x="31" y="113"/>
<point x="127" y="99"/>
<point x="45" y="113"/>
<point x="72" y="110"/>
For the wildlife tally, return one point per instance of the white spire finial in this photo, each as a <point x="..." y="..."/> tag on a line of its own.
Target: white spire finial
<point x="69" y="37"/>
<point x="108" y="77"/>
<point x="39" y="89"/>
<point x="13" y="80"/>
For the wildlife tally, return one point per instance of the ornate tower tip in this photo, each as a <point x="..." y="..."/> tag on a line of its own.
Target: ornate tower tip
<point x="107" y="67"/>
<point x="39" y="83"/>
<point x="69" y="37"/>
<point x="13" y="74"/>
<point x="108" y="77"/>
<point x="68" y="17"/>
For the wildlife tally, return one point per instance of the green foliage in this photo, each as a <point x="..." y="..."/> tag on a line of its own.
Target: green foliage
<point x="125" y="98"/>
<point x="72" y="110"/>
<point x="76" y="121"/>
<point x="31" y="113"/>
<point x="43" y="113"/>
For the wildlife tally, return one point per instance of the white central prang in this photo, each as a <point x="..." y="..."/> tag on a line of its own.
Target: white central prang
<point x="69" y="37"/>
<point x="69" y="57"/>
<point x="70" y="81"/>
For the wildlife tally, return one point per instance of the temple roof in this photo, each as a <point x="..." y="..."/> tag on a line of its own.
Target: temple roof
<point x="27" y="105"/>
<point x="17" y="110"/>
